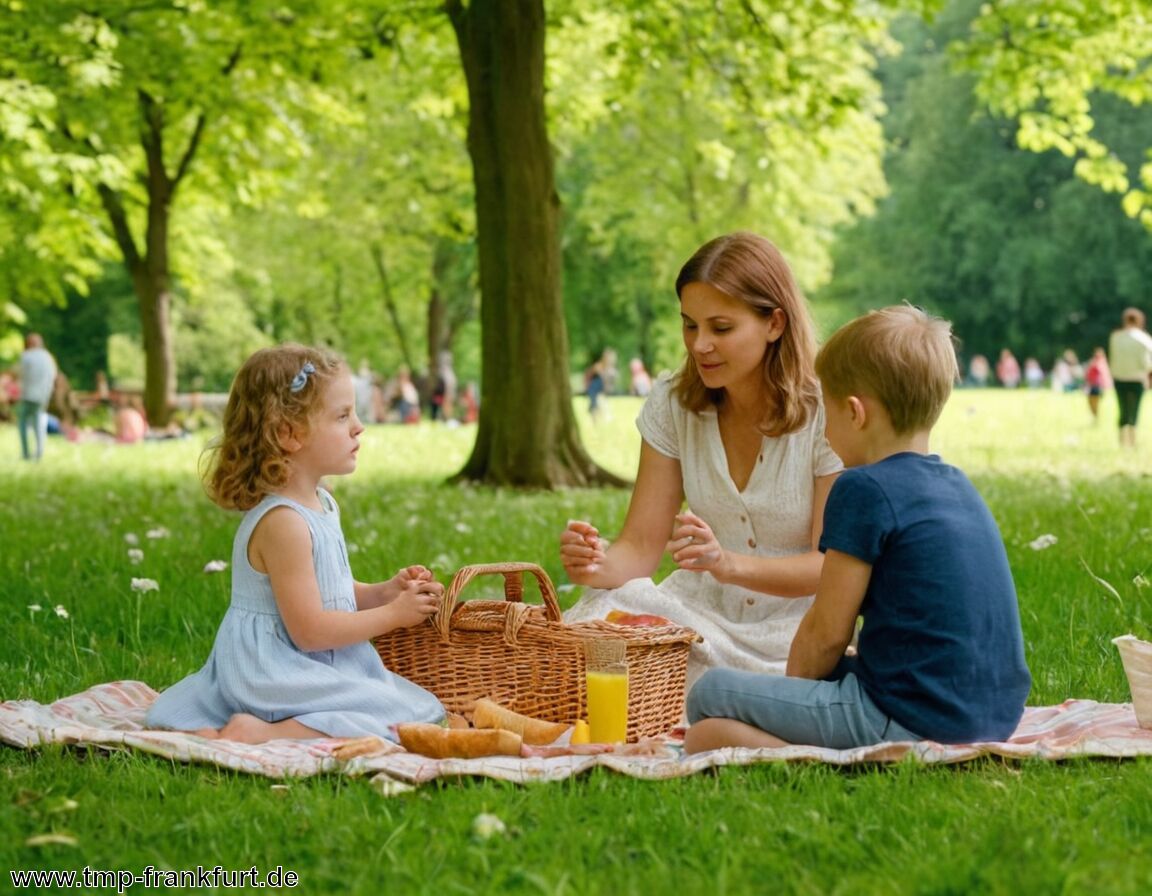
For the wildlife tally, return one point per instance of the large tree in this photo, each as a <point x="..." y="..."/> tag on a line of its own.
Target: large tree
<point x="527" y="431"/>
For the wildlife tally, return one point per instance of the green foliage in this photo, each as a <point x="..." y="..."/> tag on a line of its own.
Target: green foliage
<point x="984" y="827"/>
<point x="117" y="112"/>
<point x="1046" y="63"/>
<point x="1006" y="243"/>
<point x="378" y="209"/>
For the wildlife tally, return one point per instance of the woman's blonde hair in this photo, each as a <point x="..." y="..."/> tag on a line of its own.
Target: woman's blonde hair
<point x="900" y="356"/>
<point x="750" y="268"/>
<point x="274" y="394"/>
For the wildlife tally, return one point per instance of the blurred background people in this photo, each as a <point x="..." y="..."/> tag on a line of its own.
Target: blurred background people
<point x="1130" y="360"/>
<point x="1008" y="369"/>
<point x="641" y="380"/>
<point x="37" y="381"/>
<point x="1097" y="379"/>
<point x="978" y="371"/>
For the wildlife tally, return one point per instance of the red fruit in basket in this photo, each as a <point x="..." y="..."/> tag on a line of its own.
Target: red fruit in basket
<point x="621" y="618"/>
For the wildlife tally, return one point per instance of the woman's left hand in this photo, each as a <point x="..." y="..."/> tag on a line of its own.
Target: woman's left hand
<point x="693" y="544"/>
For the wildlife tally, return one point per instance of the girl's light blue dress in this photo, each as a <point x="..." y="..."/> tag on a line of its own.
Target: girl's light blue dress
<point x="255" y="667"/>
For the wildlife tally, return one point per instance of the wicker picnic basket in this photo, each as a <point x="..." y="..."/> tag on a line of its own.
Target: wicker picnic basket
<point x="527" y="659"/>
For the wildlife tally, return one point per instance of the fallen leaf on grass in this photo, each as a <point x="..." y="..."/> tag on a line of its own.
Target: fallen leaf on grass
<point x="52" y="840"/>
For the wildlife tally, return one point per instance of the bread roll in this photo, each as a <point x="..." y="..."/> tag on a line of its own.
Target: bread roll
<point x="536" y="732"/>
<point x="438" y="742"/>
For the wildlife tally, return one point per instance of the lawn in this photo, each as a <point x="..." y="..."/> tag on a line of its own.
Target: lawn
<point x="69" y="524"/>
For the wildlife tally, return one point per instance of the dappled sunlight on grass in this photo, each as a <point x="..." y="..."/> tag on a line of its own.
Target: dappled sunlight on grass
<point x="1037" y="431"/>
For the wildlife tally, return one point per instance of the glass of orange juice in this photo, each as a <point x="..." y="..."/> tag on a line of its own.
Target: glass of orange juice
<point x="606" y="677"/>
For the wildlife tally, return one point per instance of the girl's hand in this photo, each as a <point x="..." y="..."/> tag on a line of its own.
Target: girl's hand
<point x="409" y="575"/>
<point x="582" y="550"/>
<point x="693" y="545"/>
<point x="416" y="602"/>
<point x="412" y="574"/>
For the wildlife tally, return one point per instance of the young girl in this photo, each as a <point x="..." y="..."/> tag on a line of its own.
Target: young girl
<point x="291" y="657"/>
<point x="739" y="432"/>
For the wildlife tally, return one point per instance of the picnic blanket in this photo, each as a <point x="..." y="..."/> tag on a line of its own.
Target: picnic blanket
<point x="111" y="716"/>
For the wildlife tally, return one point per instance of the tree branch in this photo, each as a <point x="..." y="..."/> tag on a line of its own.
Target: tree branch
<point x="110" y="199"/>
<point x="189" y="151"/>
<point x="377" y="252"/>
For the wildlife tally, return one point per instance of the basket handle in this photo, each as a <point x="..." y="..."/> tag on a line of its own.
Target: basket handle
<point x="513" y="573"/>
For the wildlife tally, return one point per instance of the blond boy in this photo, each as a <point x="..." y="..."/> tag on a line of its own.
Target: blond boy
<point x="911" y="548"/>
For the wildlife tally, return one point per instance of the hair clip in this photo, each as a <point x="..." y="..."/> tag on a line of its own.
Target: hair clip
<point x="301" y="379"/>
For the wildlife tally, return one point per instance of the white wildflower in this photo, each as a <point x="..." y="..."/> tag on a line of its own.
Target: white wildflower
<point x="486" y="825"/>
<point x="1043" y="541"/>
<point x="158" y="532"/>
<point x="463" y="527"/>
<point x="35" y="608"/>
<point x="215" y="566"/>
<point x="135" y="556"/>
<point x="145" y="585"/>
<point x="60" y="611"/>
<point x="131" y="538"/>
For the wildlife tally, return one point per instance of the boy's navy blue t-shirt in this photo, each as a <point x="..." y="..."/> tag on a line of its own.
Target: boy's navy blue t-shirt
<point x="940" y="648"/>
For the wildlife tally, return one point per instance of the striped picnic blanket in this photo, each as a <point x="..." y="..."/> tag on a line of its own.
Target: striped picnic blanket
<point x="111" y="716"/>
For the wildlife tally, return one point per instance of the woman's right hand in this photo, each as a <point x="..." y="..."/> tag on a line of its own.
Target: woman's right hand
<point x="582" y="550"/>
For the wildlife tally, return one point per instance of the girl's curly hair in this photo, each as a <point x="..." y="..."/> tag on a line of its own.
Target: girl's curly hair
<point x="749" y="267"/>
<point x="274" y="394"/>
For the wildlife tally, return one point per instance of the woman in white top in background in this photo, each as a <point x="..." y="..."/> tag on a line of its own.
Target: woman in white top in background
<point x="1130" y="359"/>
<point x="738" y="432"/>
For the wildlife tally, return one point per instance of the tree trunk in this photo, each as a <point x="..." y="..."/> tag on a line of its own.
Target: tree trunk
<point x="527" y="434"/>
<point x="155" y="301"/>
<point x="150" y="282"/>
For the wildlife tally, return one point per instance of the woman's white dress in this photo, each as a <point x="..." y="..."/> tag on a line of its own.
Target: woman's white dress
<point x="770" y="517"/>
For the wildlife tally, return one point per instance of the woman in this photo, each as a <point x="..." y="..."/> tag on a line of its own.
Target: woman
<point x="739" y="432"/>
<point x="1130" y="358"/>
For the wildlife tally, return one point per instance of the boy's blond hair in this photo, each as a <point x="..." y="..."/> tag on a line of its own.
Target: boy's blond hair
<point x="900" y="356"/>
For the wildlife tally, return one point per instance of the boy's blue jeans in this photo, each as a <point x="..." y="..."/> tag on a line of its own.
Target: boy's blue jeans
<point x="836" y="714"/>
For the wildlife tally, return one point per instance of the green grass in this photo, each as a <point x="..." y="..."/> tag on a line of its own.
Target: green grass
<point x="985" y="827"/>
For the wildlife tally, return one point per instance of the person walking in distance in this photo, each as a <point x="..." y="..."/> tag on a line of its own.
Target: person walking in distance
<point x="37" y="379"/>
